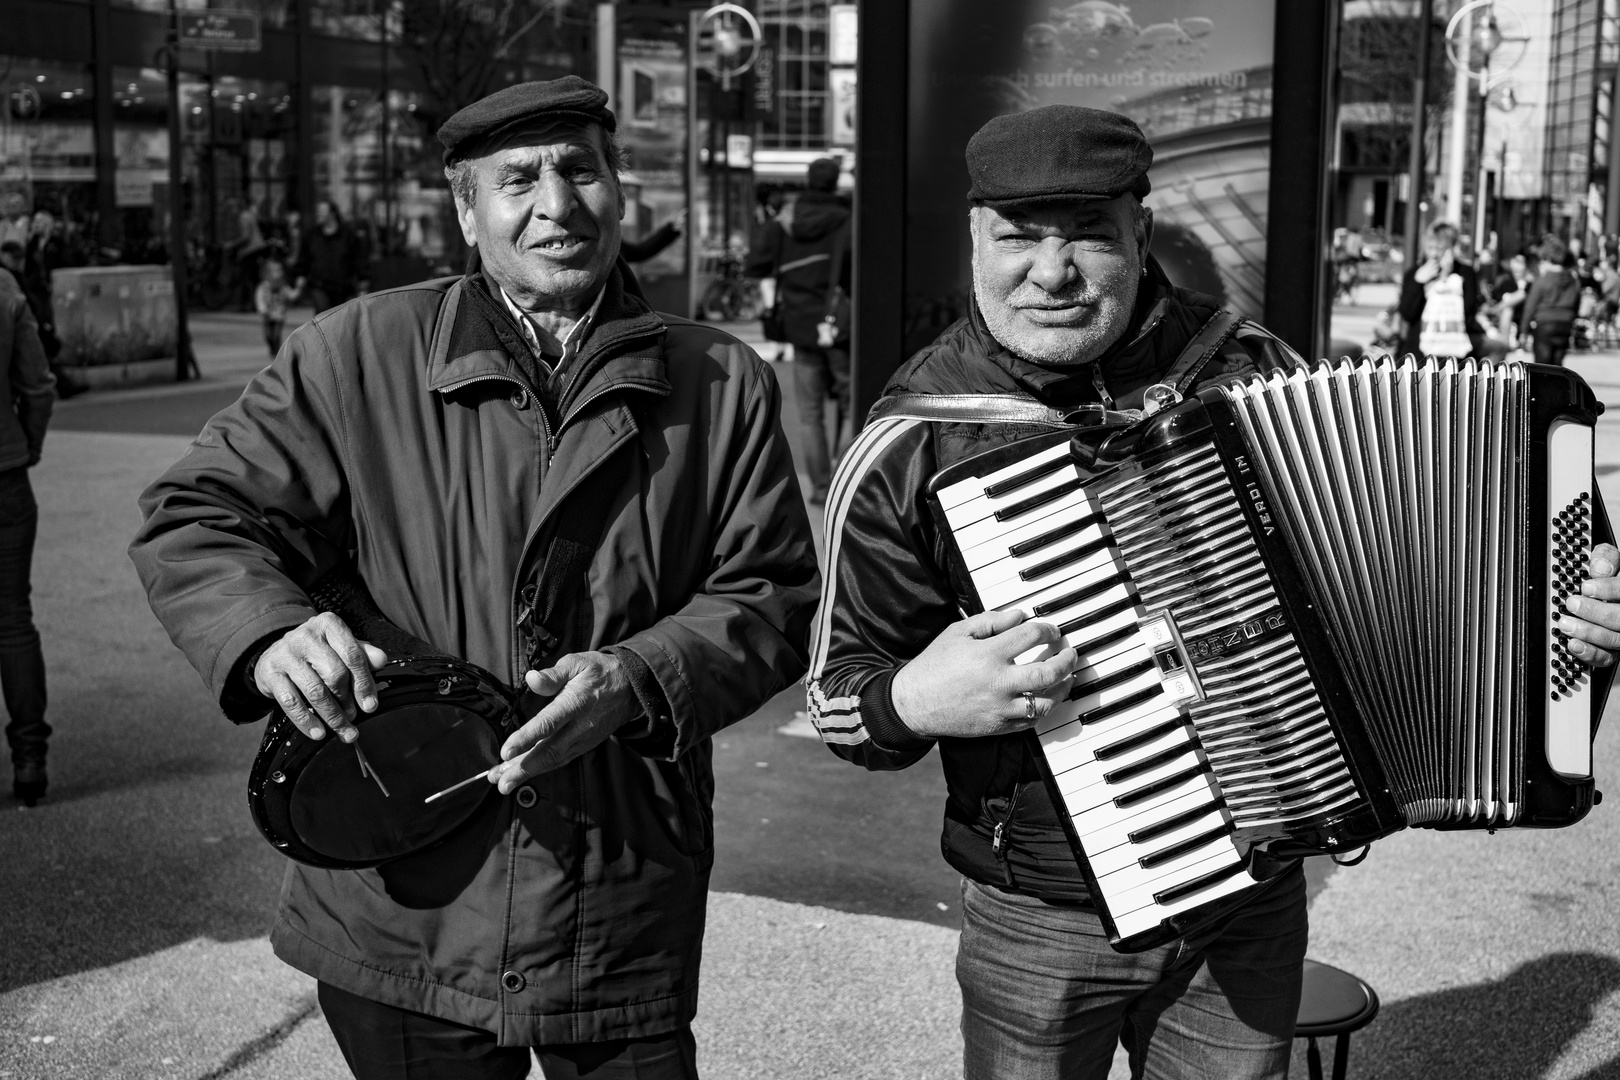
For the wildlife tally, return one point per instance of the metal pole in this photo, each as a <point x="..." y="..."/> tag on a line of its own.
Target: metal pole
<point x="1461" y="106"/>
<point x="1479" y="160"/>
<point x="1416" y="168"/>
<point x="184" y="363"/>
<point x="387" y="244"/>
<point x="694" y="23"/>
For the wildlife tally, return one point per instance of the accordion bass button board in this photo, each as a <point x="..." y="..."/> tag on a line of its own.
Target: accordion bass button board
<point x="1310" y="609"/>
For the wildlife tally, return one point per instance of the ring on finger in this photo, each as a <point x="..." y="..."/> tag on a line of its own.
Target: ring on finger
<point x="1029" y="705"/>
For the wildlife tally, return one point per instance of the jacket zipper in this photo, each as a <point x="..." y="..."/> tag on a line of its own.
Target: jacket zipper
<point x="998" y="837"/>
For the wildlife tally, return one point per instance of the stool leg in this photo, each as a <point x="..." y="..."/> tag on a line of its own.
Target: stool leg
<point x="1313" y="1059"/>
<point x="1341" y="1056"/>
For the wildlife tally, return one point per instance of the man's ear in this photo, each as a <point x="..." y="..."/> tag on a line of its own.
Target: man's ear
<point x="1144" y="231"/>
<point x="464" y="217"/>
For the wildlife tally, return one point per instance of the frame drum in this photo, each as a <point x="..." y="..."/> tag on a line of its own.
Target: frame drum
<point x="326" y="803"/>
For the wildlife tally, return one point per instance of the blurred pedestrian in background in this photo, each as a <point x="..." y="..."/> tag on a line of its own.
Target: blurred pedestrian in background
<point x="26" y="396"/>
<point x="332" y="265"/>
<point x="1509" y="292"/>
<point x="270" y="299"/>
<point x="14" y="259"/>
<point x="799" y="249"/>
<point x="1552" y="304"/>
<point x="655" y="241"/>
<point x="1441" y="278"/>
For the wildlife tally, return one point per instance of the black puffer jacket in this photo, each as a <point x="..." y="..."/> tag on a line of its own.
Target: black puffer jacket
<point x="886" y="593"/>
<point x="797" y="251"/>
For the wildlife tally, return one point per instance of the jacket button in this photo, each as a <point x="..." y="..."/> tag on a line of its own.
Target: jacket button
<point x="520" y="399"/>
<point x="513" y="982"/>
<point x="526" y="796"/>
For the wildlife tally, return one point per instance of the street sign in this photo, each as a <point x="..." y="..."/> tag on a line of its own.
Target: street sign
<point x="219" y="30"/>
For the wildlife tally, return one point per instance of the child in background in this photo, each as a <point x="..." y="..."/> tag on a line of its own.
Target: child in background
<point x="271" y="299"/>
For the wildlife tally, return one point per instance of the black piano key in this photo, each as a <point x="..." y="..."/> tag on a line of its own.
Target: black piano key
<point x="1147" y="693"/>
<point x="1041" y="569"/>
<point x="1050" y="495"/>
<point x="1175" y="851"/>
<point x="1096" y="616"/>
<point x="1028" y="476"/>
<point x="1141" y="738"/>
<point x="1147" y="764"/>
<point x="1114" y="678"/>
<point x="1197" y="884"/>
<point x="1035" y="543"/>
<point x="1079" y="596"/>
<point x="1174" y="822"/>
<point x="1142" y="794"/>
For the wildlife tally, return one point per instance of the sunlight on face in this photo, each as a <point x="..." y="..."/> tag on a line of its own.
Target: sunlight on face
<point x="545" y="215"/>
<point x="1056" y="283"/>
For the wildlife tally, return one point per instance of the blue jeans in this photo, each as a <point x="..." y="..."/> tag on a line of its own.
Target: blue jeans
<point x="22" y="663"/>
<point x="1044" y="997"/>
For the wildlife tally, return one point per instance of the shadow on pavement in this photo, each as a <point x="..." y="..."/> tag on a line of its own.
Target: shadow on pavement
<point x="1518" y="1025"/>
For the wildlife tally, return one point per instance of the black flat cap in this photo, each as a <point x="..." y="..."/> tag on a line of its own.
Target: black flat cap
<point x="1057" y="152"/>
<point x="567" y="98"/>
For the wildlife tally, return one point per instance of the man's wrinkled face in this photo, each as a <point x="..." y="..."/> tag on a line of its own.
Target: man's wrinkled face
<point x="544" y="215"/>
<point x="1056" y="282"/>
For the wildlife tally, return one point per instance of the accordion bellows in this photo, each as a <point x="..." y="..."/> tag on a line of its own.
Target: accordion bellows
<point x="1311" y="609"/>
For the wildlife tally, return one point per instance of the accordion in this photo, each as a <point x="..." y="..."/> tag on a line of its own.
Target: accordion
<point x="1310" y="609"/>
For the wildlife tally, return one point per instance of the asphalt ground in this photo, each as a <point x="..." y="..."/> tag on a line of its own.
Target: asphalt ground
<point x="137" y="897"/>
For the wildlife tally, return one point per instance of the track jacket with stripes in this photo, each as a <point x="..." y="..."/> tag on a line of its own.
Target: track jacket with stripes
<point x="887" y="591"/>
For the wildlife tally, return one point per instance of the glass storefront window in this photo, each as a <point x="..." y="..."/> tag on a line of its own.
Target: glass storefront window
<point x="270" y="12"/>
<point x="48" y="149"/>
<point x="393" y="192"/>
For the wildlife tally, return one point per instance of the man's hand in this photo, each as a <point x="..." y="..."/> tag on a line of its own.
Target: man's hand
<point x="1593" y="622"/>
<point x="591" y="698"/>
<point x="965" y="684"/>
<point x="317" y="672"/>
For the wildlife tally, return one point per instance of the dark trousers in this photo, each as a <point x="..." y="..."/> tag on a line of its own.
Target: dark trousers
<point x="381" y="1042"/>
<point x="820" y="376"/>
<point x="1551" y="342"/>
<point x="22" y="664"/>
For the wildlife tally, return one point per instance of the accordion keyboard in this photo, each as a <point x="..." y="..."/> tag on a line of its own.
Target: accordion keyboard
<point x="1159" y="764"/>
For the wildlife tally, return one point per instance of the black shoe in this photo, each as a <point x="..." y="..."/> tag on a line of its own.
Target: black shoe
<point x="29" y="783"/>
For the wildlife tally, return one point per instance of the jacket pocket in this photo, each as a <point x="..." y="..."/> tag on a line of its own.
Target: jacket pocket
<point x="690" y="780"/>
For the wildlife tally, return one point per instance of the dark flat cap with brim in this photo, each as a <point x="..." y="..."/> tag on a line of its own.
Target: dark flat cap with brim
<point x="1057" y="153"/>
<point x="567" y="98"/>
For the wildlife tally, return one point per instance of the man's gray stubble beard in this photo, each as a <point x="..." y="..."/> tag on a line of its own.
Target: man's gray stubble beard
<point x="1002" y="323"/>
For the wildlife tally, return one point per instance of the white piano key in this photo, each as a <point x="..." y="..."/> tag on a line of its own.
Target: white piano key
<point x="1085" y="754"/>
<point x="1067" y="743"/>
<point x="1005" y="590"/>
<point x="1088" y="769"/>
<point x="1128" y="855"/>
<point x="973" y="488"/>
<point x="1143" y="919"/>
<point x="1108" y="695"/>
<point x="983" y="506"/>
<point x="991" y="551"/>
<point x="1083" y="788"/>
<point x="1132" y="888"/>
<point x="1104" y="816"/>
<point x="986" y="527"/>
<point x="1109" y="834"/>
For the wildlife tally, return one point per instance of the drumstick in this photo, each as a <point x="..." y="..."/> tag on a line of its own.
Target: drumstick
<point x="457" y="787"/>
<point x="367" y="770"/>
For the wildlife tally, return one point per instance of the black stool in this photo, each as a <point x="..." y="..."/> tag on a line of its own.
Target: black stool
<point x="1334" y="1002"/>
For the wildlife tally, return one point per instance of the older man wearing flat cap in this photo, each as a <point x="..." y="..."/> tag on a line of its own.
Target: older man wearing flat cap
<point x="1072" y="319"/>
<point x="444" y="440"/>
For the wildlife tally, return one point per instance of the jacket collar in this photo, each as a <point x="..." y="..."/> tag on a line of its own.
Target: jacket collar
<point x="623" y="347"/>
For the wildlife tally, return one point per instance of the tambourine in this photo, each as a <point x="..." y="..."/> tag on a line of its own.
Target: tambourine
<point x="348" y="806"/>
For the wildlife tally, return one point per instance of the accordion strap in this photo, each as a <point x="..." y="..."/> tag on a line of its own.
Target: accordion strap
<point x="1201" y="350"/>
<point x="1023" y="409"/>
